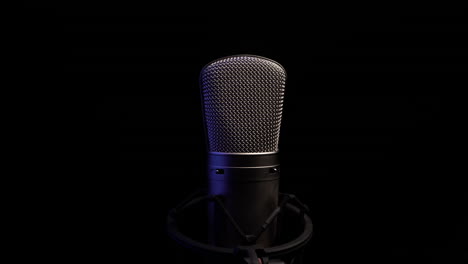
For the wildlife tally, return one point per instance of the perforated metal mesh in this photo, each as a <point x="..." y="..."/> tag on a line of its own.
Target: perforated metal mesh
<point x="243" y="103"/>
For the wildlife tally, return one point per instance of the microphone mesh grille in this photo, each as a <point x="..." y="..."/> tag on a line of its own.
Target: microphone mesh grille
<point x="243" y="103"/>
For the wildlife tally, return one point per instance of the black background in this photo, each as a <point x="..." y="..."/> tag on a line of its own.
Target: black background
<point x="364" y="139"/>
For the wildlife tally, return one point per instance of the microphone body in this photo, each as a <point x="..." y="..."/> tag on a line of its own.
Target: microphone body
<point x="248" y="188"/>
<point x="242" y="103"/>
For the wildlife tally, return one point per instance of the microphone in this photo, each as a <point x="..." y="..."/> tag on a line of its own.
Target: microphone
<point x="242" y="102"/>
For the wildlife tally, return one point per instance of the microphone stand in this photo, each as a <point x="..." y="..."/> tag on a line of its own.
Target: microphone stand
<point x="249" y="253"/>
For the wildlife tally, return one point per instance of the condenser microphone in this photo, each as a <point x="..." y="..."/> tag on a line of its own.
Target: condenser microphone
<point x="248" y="221"/>
<point x="242" y="102"/>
